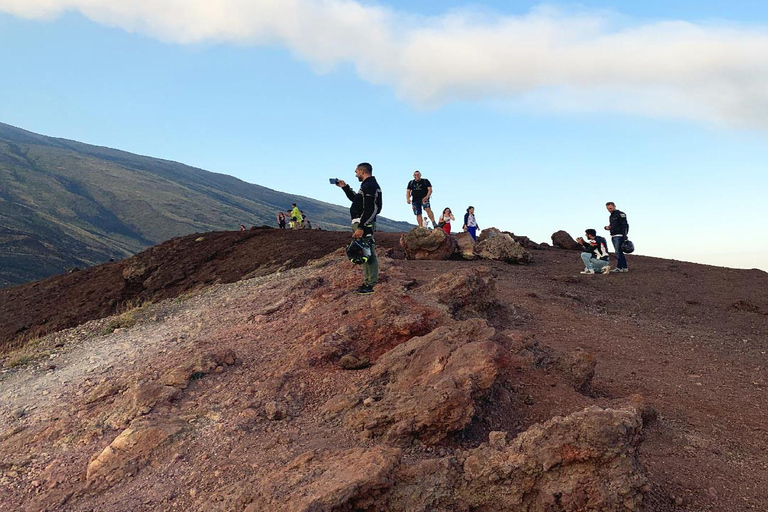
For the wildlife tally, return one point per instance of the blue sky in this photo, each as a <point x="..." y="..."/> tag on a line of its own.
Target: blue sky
<point x="536" y="114"/>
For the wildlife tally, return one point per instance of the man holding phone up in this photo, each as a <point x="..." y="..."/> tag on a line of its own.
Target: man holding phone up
<point x="366" y="205"/>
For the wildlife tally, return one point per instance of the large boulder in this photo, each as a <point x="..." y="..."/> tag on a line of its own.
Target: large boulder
<point x="565" y="241"/>
<point x="495" y="245"/>
<point x="465" y="246"/>
<point x="425" y="244"/>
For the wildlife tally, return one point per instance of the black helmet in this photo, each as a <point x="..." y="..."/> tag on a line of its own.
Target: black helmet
<point x="358" y="251"/>
<point x="627" y="246"/>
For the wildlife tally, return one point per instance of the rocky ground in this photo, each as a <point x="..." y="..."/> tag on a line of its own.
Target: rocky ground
<point x="459" y="385"/>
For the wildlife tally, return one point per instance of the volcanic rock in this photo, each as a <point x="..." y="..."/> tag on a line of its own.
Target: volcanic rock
<point x="563" y="240"/>
<point x="424" y="244"/>
<point x="467" y="292"/>
<point x="431" y="383"/>
<point x="578" y="367"/>
<point x="465" y="246"/>
<point x="130" y="450"/>
<point x="496" y="245"/>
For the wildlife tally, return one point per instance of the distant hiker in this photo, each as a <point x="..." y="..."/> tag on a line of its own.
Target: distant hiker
<point x="619" y="228"/>
<point x="295" y="217"/>
<point x="366" y="205"/>
<point x="417" y="195"/>
<point x="281" y="220"/>
<point x="595" y="255"/>
<point x="445" y="220"/>
<point x="426" y="223"/>
<point x="242" y="227"/>
<point x="470" y="224"/>
<point x="305" y="221"/>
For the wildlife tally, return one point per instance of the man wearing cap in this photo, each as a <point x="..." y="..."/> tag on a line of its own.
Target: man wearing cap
<point x="417" y="195"/>
<point x="366" y="205"/>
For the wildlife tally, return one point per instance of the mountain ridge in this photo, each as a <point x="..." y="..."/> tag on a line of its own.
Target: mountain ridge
<point x="69" y="204"/>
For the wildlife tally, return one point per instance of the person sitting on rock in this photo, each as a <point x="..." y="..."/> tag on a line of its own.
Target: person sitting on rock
<point x="470" y="224"/>
<point x="445" y="220"/>
<point x="595" y="255"/>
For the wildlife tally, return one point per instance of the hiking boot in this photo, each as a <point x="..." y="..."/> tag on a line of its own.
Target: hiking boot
<point x="587" y="271"/>
<point x="364" y="290"/>
<point x="606" y="269"/>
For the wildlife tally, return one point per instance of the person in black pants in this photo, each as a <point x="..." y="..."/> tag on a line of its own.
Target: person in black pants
<point x="619" y="228"/>
<point x="366" y="205"/>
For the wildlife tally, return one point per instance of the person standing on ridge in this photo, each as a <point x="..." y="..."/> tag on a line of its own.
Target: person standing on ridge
<point x="296" y="217"/>
<point x="366" y="205"/>
<point x="619" y="228"/>
<point x="417" y="195"/>
<point x="470" y="224"/>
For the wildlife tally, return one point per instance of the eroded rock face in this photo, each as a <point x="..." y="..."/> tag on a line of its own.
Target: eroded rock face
<point x="467" y="293"/>
<point x="586" y="461"/>
<point x="465" y="246"/>
<point x="565" y="241"/>
<point x="424" y="244"/>
<point x="130" y="450"/>
<point x="430" y="384"/>
<point x="499" y="246"/>
<point x="347" y="480"/>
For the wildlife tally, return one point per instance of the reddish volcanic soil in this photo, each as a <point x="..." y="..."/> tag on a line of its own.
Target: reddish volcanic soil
<point x="691" y="339"/>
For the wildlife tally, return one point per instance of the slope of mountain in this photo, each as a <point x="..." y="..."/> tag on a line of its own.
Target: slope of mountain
<point x="68" y="204"/>
<point x="459" y="385"/>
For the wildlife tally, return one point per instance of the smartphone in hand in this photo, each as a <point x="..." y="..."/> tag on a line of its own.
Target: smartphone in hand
<point x="333" y="181"/>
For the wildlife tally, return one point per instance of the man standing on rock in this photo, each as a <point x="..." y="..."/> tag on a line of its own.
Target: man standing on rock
<point x="417" y="195"/>
<point x="619" y="228"/>
<point x="366" y="205"/>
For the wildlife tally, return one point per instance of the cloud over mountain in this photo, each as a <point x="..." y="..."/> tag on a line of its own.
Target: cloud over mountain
<point x="546" y="59"/>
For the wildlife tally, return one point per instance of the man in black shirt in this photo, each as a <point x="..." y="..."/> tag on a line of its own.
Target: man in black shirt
<point x="417" y="194"/>
<point x="619" y="228"/>
<point x="366" y="205"/>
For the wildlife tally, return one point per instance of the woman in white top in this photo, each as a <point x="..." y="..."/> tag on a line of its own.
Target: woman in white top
<point x="470" y="224"/>
<point x="445" y="220"/>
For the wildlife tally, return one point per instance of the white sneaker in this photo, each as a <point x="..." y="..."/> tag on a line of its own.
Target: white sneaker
<point x="587" y="271"/>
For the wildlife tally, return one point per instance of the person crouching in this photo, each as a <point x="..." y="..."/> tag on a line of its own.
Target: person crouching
<point x="595" y="255"/>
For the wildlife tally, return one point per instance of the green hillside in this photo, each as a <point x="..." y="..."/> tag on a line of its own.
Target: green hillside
<point x="67" y="204"/>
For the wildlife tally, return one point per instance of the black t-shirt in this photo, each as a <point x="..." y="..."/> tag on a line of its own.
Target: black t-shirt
<point x="419" y="189"/>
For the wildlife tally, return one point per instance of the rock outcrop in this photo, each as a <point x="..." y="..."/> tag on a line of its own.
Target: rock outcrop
<point x="565" y="241"/>
<point x="465" y="246"/>
<point x="495" y="245"/>
<point x="425" y="244"/>
<point x="427" y="387"/>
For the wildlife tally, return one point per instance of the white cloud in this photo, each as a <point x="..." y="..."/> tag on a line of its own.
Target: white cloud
<point x="545" y="59"/>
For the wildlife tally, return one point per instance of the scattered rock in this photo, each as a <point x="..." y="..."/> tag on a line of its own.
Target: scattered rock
<point x="352" y="362"/>
<point x="274" y="411"/>
<point x="578" y="367"/>
<point x="563" y="240"/>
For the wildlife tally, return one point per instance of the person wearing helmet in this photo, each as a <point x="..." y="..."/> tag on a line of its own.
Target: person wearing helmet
<point x="595" y="255"/>
<point x="619" y="228"/>
<point x="366" y="205"/>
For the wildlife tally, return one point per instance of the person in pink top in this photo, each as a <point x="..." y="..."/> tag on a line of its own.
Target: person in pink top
<point x="445" y="220"/>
